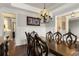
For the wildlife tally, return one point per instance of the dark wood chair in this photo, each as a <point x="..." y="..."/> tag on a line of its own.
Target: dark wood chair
<point x="42" y="46"/>
<point x="2" y="49"/>
<point x="70" y="41"/>
<point x="49" y="36"/>
<point x="6" y="44"/>
<point x="35" y="46"/>
<point x="57" y="37"/>
<point x="29" y="43"/>
<point x="33" y="33"/>
<point x="6" y="48"/>
<point x="36" y="49"/>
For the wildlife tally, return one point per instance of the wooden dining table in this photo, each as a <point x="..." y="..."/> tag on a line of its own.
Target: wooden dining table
<point x="61" y="49"/>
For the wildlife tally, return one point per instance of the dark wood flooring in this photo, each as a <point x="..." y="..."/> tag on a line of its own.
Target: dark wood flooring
<point x="21" y="50"/>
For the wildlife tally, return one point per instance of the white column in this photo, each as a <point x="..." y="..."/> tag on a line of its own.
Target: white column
<point x="67" y="24"/>
<point x="1" y="25"/>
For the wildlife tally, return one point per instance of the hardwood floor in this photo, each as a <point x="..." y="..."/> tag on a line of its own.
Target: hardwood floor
<point x="21" y="50"/>
<point x="16" y="50"/>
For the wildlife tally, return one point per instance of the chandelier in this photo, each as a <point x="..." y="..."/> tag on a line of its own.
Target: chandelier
<point x="45" y="17"/>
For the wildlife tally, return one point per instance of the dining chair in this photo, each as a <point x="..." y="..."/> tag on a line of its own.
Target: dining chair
<point x="42" y="46"/>
<point x="35" y="45"/>
<point x="33" y="33"/>
<point x="49" y="36"/>
<point x="29" y="43"/>
<point x="71" y="39"/>
<point x="57" y="37"/>
<point x="2" y="49"/>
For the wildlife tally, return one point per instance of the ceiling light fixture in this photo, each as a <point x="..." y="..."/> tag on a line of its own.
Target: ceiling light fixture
<point x="45" y="17"/>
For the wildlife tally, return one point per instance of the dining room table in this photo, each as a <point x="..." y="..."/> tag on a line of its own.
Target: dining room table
<point x="60" y="49"/>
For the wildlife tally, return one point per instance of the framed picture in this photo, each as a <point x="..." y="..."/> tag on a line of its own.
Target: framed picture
<point x="33" y="21"/>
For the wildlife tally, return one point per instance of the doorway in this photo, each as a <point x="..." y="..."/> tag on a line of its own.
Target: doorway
<point x="9" y="26"/>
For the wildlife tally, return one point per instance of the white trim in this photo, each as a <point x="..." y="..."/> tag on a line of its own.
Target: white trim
<point x="26" y="7"/>
<point x="59" y="11"/>
<point x="67" y="24"/>
<point x="67" y="13"/>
